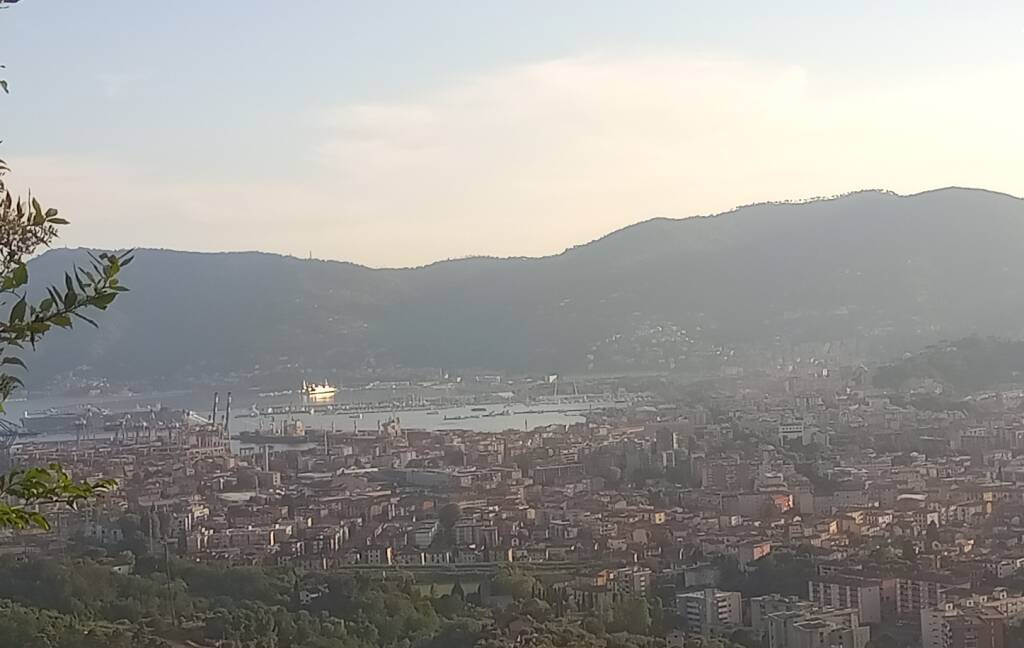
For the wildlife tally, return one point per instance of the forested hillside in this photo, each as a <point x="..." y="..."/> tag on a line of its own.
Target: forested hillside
<point x="887" y="273"/>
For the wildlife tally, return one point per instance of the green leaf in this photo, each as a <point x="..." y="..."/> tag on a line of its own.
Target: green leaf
<point x="20" y="275"/>
<point x="40" y="521"/>
<point x="18" y="312"/>
<point x="86" y="319"/>
<point x="38" y="217"/>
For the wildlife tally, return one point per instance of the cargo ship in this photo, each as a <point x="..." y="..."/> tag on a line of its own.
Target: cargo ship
<point x="52" y="422"/>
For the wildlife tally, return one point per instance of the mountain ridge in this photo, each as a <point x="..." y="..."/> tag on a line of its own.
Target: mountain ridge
<point x="624" y="228"/>
<point x="868" y="268"/>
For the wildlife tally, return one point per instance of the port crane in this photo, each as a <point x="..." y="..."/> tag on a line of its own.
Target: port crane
<point x="9" y="435"/>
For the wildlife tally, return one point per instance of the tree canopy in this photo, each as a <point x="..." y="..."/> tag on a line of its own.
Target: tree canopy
<point x="26" y="316"/>
<point x="54" y="604"/>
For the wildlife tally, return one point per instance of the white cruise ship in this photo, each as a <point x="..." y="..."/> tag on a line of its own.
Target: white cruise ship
<point x="314" y="390"/>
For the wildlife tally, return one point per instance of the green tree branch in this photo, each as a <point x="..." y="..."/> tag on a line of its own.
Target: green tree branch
<point x="25" y="228"/>
<point x="35" y="487"/>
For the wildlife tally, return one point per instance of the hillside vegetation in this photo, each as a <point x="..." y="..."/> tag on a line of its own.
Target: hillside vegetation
<point x="881" y="272"/>
<point x="963" y="366"/>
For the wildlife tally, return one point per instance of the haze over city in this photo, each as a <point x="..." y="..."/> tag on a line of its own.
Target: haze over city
<point x="527" y="324"/>
<point x="398" y="134"/>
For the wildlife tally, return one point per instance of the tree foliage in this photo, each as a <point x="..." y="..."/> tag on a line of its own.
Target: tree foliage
<point x="449" y="514"/>
<point x="632" y="615"/>
<point x="778" y="572"/>
<point x="25" y="228"/>
<point x="35" y="487"/>
<point x="69" y="601"/>
<point x="512" y="582"/>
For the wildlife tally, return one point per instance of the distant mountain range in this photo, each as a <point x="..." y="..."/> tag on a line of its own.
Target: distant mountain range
<point x="873" y="271"/>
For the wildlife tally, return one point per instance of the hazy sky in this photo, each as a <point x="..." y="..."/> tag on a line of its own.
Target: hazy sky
<point x="398" y="133"/>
